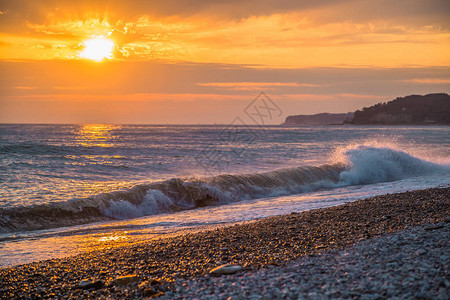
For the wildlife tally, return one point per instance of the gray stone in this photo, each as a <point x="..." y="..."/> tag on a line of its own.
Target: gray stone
<point x="421" y="252"/>
<point x="85" y="282"/>
<point x="434" y="226"/>
<point x="442" y="294"/>
<point x="392" y="265"/>
<point x="226" y="269"/>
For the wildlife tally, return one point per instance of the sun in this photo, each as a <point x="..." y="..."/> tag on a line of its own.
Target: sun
<point x="97" y="49"/>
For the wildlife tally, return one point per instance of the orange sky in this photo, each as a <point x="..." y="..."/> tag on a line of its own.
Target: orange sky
<point x="204" y="61"/>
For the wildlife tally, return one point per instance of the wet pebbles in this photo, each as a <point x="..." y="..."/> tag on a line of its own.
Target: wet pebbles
<point x="180" y="266"/>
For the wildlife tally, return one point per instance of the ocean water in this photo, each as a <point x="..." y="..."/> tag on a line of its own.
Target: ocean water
<point x="66" y="189"/>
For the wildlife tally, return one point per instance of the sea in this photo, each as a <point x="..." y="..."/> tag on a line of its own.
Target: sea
<point x="69" y="189"/>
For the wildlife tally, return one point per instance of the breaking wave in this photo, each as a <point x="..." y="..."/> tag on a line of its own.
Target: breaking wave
<point x="355" y="166"/>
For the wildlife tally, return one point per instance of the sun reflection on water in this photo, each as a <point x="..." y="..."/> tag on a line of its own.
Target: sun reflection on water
<point x="97" y="135"/>
<point x="111" y="238"/>
<point x="101" y="241"/>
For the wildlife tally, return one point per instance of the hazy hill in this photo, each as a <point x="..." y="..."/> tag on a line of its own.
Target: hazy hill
<point x="414" y="109"/>
<point x="318" y="119"/>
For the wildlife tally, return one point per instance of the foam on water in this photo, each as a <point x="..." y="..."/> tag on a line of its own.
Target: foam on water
<point x="372" y="165"/>
<point x="154" y="202"/>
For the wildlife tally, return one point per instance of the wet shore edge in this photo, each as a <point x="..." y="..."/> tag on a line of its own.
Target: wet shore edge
<point x="156" y="268"/>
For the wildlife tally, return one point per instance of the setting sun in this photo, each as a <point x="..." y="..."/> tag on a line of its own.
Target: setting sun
<point x="97" y="49"/>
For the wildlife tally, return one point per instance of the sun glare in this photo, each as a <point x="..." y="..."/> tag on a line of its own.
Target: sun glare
<point x="97" y="49"/>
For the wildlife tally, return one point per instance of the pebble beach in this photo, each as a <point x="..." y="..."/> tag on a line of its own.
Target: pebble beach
<point x="389" y="246"/>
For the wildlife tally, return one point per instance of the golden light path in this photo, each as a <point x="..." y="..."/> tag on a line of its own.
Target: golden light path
<point x="98" y="49"/>
<point x="96" y="135"/>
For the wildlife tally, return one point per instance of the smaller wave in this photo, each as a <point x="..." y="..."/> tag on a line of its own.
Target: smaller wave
<point x="154" y="202"/>
<point x="38" y="149"/>
<point x="177" y="194"/>
<point x="168" y="196"/>
<point x="48" y="149"/>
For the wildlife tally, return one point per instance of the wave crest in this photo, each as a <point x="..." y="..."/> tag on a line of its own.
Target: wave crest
<point x="373" y="165"/>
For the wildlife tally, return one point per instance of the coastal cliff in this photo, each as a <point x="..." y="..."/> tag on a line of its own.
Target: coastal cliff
<point x="413" y="109"/>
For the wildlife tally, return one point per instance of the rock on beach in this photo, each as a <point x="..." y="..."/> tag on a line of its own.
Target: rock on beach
<point x="226" y="269"/>
<point x="126" y="279"/>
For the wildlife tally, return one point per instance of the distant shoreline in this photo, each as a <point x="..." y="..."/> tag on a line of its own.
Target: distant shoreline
<point x="228" y="125"/>
<point x="431" y="109"/>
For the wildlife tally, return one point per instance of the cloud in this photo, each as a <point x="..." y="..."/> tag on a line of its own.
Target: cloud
<point x="268" y="32"/>
<point x="69" y="87"/>
<point x="23" y="87"/>
<point x="254" y="86"/>
<point x="232" y="9"/>
<point x="429" y="80"/>
<point x="287" y="40"/>
<point x="331" y="10"/>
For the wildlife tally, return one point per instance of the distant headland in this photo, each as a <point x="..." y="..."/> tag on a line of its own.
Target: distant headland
<point x="413" y="109"/>
<point x="319" y="119"/>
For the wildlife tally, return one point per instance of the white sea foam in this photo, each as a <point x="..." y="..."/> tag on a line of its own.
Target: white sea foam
<point x="372" y="165"/>
<point x="154" y="202"/>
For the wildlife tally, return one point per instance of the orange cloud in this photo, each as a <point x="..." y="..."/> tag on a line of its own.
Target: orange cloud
<point x="138" y="97"/>
<point x="327" y="97"/>
<point x="254" y="86"/>
<point x="70" y="87"/>
<point x="277" y="38"/>
<point x="429" y="81"/>
<point x="23" y="87"/>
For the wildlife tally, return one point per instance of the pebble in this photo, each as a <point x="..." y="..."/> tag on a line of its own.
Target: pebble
<point x="87" y="284"/>
<point x="148" y="292"/>
<point x="84" y="283"/>
<point x="421" y="252"/>
<point x="125" y="280"/>
<point x="154" y="281"/>
<point x="226" y="269"/>
<point x="434" y="226"/>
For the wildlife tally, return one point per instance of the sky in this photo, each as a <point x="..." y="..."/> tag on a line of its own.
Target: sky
<point x="204" y="62"/>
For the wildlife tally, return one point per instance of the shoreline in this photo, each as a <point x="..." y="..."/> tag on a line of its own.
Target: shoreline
<point x="271" y="241"/>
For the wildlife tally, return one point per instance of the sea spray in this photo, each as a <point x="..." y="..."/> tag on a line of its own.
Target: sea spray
<point x="368" y="165"/>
